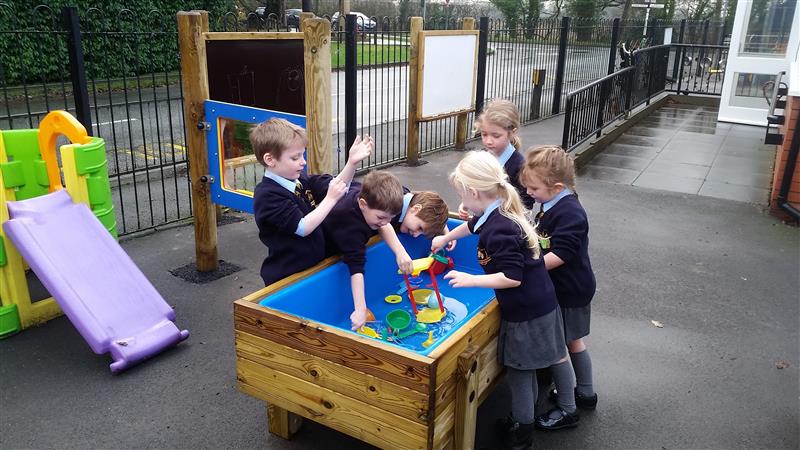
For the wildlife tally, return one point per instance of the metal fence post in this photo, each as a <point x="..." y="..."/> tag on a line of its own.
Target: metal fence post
<point x="350" y="89"/>
<point x="631" y="74"/>
<point x="306" y="6"/>
<point x="567" y="119"/>
<point x="612" y="54"/>
<point x="678" y="50"/>
<point x="480" y="82"/>
<point x="77" y="68"/>
<point x="561" y="66"/>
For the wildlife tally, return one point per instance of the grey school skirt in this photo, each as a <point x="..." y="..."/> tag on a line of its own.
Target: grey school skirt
<point x="533" y="344"/>
<point x="576" y="322"/>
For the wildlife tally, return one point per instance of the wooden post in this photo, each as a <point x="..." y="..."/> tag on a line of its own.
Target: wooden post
<point x="466" y="398"/>
<point x="303" y="16"/>
<point x="281" y="422"/>
<point x="317" y="56"/>
<point x="412" y="136"/>
<point x="194" y="76"/>
<point x="461" y="120"/>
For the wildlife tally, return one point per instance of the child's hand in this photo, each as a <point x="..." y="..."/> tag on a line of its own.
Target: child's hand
<point x="438" y="243"/>
<point x="459" y="279"/>
<point x="404" y="262"/>
<point x="361" y="149"/>
<point x="336" y="189"/>
<point x="463" y="213"/>
<point x="358" y="319"/>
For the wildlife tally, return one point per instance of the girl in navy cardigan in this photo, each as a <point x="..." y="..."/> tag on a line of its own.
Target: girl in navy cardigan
<point x="497" y="124"/>
<point x="531" y="334"/>
<point x="549" y="175"/>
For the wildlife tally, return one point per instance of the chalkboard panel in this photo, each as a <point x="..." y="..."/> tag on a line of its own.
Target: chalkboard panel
<point x="264" y="73"/>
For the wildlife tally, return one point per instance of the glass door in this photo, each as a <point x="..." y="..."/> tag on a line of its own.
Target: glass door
<point x="764" y="42"/>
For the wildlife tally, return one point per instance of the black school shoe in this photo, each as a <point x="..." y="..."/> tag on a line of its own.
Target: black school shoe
<point x="515" y="435"/>
<point x="581" y="401"/>
<point x="557" y="418"/>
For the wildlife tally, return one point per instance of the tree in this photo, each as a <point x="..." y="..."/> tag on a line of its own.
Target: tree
<point x="511" y="11"/>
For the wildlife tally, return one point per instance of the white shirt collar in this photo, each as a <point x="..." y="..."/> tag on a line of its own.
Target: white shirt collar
<point x="506" y="155"/>
<point x="285" y="182"/>
<point x="489" y="209"/>
<point x="552" y="202"/>
<point x="406" y="201"/>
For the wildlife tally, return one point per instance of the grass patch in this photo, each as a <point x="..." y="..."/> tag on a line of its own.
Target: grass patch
<point x="367" y="54"/>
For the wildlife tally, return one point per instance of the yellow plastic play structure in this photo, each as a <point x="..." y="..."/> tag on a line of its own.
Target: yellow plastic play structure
<point x="29" y="168"/>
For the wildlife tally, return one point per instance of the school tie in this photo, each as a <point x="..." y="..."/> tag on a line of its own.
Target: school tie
<point x="540" y="213"/>
<point x="298" y="188"/>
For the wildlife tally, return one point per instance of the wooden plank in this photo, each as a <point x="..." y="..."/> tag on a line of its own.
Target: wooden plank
<point x="414" y="79"/>
<point x="371" y="424"/>
<point x="461" y="120"/>
<point x="317" y="76"/>
<point x="445" y="424"/>
<point x="365" y="355"/>
<point x="463" y="32"/>
<point x="281" y="422"/>
<point x="489" y="370"/>
<point x="478" y="331"/>
<point x="249" y="35"/>
<point x="466" y="401"/>
<point x="404" y="402"/>
<point x="194" y="76"/>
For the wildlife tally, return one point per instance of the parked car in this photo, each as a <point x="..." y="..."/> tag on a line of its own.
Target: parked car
<point x="363" y="22"/>
<point x="293" y="17"/>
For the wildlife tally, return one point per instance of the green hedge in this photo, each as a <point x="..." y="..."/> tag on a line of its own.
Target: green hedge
<point x="120" y="38"/>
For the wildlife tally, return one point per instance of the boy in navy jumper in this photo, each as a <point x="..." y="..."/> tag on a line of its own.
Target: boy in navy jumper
<point x="366" y="210"/>
<point x="289" y="205"/>
<point x="549" y="175"/>
<point x="498" y="124"/>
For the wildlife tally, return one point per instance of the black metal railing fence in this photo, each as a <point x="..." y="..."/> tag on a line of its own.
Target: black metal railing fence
<point x="133" y="91"/>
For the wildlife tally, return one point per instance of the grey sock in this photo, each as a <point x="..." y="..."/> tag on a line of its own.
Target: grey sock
<point x="523" y="395"/>
<point x="564" y="378"/>
<point x="583" y="372"/>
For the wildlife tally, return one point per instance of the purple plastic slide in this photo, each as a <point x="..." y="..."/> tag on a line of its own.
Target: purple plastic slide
<point x="102" y="292"/>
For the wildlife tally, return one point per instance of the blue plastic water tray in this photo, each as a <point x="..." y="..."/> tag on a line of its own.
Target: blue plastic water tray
<point x="325" y="297"/>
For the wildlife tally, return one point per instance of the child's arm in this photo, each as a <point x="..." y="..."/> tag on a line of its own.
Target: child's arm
<point x="359" y="316"/>
<point x="452" y="244"/>
<point x="493" y="281"/>
<point x="551" y="261"/>
<point x="336" y="189"/>
<point x="358" y="152"/>
<point x="454" y="234"/>
<point x="390" y="237"/>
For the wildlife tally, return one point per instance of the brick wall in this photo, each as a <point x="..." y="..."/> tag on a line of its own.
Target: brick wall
<point x="792" y="112"/>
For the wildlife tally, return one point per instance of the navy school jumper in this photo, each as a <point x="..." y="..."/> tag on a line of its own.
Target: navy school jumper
<point x="502" y="248"/>
<point x="567" y="227"/>
<point x="277" y="213"/>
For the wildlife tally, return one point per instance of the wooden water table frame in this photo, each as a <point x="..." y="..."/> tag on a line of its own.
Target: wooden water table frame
<point x="373" y="391"/>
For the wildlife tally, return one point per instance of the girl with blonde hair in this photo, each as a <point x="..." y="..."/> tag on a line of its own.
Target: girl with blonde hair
<point x="531" y="334"/>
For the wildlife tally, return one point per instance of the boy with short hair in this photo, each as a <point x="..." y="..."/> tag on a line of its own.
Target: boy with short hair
<point x="379" y="205"/>
<point x="289" y="205"/>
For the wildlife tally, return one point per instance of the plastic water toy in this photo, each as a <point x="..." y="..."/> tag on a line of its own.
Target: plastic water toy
<point x="429" y="341"/>
<point x="398" y="319"/>
<point x="393" y="299"/>
<point x="428" y="315"/>
<point x="417" y="328"/>
<point x="367" y="331"/>
<point x="441" y="262"/>
<point x="421" y="296"/>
